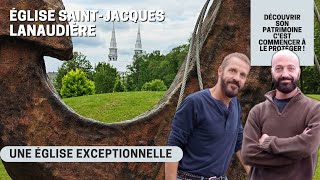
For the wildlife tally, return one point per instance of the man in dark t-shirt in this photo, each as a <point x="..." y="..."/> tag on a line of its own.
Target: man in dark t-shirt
<point x="207" y="125"/>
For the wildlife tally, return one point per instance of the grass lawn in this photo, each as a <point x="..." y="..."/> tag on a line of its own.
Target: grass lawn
<point x="314" y="96"/>
<point x="114" y="107"/>
<point x="3" y="173"/>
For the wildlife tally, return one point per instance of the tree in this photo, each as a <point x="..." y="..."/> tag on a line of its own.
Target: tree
<point x="75" y="83"/>
<point x="154" y="85"/>
<point x="155" y="66"/>
<point x="138" y="72"/>
<point x="119" y="86"/>
<point x="104" y="77"/>
<point x="310" y="78"/>
<point x="78" y="61"/>
<point x="317" y="34"/>
<point x="173" y="60"/>
<point x="310" y="75"/>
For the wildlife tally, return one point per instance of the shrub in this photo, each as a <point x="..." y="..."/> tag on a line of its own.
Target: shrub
<point x="154" y="85"/>
<point x="78" y="61"/>
<point x="75" y="83"/>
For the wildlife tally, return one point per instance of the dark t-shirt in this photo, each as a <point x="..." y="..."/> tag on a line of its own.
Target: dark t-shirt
<point x="208" y="132"/>
<point x="281" y="103"/>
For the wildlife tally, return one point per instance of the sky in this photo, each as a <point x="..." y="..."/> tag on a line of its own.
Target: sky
<point x="180" y="19"/>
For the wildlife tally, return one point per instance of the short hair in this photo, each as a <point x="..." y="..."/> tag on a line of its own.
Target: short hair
<point x="287" y="52"/>
<point x="241" y="56"/>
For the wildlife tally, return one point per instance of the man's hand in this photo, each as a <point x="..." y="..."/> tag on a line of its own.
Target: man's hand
<point x="263" y="137"/>
<point x="171" y="169"/>
<point x="247" y="168"/>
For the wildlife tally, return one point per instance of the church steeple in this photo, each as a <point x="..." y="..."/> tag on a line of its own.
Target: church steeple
<point x="138" y="45"/>
<point x="113" y="54"/>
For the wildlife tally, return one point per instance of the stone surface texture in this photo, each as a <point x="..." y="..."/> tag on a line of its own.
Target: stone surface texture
<point x="58" y="46"/>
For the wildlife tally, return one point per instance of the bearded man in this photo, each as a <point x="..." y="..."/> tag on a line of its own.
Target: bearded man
<point x="282" y="134"/>
<point x="207" y="126"/>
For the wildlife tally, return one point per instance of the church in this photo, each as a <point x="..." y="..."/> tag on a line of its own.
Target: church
<point x="121" y="65"/>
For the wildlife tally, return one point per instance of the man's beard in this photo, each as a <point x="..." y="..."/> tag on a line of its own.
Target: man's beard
<point x="285" y="87"/>
<point x="232" y="92"/>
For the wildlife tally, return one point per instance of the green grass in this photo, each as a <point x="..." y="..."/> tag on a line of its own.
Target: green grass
<point x="317" y="175"/>
<point x="114" y="107"/>
<point x="3" y="173"/>
<point x="314" y="96"/>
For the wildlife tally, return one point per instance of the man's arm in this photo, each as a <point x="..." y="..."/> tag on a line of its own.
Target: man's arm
<point x="183" y="124"/>
<point x="239" y="143"/>
<point x="247" y="168"/>
<point x="299" y="146"/>
<point x="171" y="169"/>
<point x="251" y="152"/>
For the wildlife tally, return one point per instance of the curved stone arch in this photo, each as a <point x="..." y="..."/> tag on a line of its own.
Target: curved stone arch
<point x="32" y="114"/>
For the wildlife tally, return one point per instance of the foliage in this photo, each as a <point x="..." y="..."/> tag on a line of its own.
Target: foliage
<point x="172" y="63"/>
<point x="78" y="61"/>
<point x="154" y="85"/>
<point x="311" y="80"/>
<point x="143" y="69"/>
<point x="154" y="65"/>
<point x="75" y="83"/>
<point x="119" y="86"/>
<point x="311" y="76"/>
<point x="104" y="77"/>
